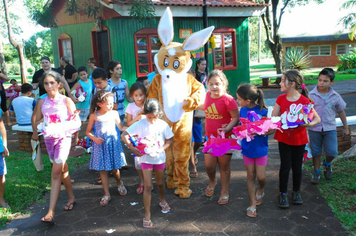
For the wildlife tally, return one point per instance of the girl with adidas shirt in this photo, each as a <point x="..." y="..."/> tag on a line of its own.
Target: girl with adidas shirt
<point x="221" y="114"/>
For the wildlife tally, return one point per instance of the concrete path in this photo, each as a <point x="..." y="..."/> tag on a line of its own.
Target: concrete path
<point x="199" y="215"/>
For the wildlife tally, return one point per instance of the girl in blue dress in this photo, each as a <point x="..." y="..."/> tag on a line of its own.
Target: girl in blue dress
<point x="107" y="154"/>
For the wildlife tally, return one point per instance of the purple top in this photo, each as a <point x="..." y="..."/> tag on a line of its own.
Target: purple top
<point x="326" y="109"/>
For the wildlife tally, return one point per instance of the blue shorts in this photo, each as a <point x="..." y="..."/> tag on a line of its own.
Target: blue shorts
<point x="3" y="170"/>
<point x="324" y="140"/>
<point x="197" y="133"/>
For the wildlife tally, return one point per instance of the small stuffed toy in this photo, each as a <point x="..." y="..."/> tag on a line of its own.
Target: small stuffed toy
<point x="79" y="93"/>
<point x="297" y="115"/>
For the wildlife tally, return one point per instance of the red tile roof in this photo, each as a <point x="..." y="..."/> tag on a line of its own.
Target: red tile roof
<point x="211" y="3"/>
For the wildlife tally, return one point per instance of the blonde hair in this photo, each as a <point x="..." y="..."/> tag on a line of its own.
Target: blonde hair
<point x="222" y="77"/>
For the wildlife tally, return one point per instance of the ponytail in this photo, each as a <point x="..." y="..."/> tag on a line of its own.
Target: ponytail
<point x="261" y="101"/>
<point x="305" y="92"/>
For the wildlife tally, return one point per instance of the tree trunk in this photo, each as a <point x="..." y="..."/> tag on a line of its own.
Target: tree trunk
<point x="17" y="45"/>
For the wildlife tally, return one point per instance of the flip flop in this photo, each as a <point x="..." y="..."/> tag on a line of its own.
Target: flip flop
<point x="259" y="198"/>
<point x="140" y="189"/>
<point x="209" y="191"/>
<point x="193" y="174"/>
<point x="251" y="212"/>
<point x="223" y="200"/>
<point x="69" y="206"/>
<point x="147" y="223"/>
<point x="122" y="190"/>
<point x="104" y="201"/>
<point x="48" y="220"/>
<point x="165" y="208"/>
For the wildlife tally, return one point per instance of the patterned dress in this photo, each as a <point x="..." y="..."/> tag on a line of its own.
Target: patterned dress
<point x="109" y="155"/>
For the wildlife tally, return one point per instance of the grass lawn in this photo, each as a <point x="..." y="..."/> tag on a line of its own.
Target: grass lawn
<point x="24" y="185"/>
<point x="340" y="193"/>
<point x="310" y="77"/>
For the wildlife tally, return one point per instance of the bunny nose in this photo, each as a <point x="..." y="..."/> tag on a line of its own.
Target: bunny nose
<point x="167" y="76"/>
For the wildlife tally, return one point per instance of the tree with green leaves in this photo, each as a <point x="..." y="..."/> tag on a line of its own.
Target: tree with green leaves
<point x="34" y="53"/>
<point x="272" y="20"/>
<point x="17" y="45"/>
<point x="349" y="21"/>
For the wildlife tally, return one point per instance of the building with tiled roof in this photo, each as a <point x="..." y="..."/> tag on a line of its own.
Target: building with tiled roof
<point x="115" y="35"/>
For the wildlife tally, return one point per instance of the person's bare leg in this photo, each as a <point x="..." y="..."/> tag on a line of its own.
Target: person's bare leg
<point x="67" y="183"/>
<point x="225" y="172"/>
<point x="105" y="182"/>
<point x="210" y="167"/>
<point x="147" y="176"/>
<point x="2" y="190"/>
<point x="251" y="187"/>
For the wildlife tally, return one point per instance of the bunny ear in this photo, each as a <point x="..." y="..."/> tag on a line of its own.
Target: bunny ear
<point x="299" y="107"/>
<point x="292" y="107"/>
<point x="198" y="39"/>
<point x="165" y="27"/>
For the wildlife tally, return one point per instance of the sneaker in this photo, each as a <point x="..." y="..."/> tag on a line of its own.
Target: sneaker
<point x="297" y="198"/>
<point x="283" y="201"/>
<point x="328" y="172"/>
<point x="315" y="179"/>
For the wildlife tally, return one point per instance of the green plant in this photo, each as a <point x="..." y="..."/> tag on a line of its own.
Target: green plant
<point x="91" y="11"/>
<point x="13" y="69"/>
<point x="142" y="9"/>
<point x="340" y="193"/>
<point x="22" y="190"/>
<point x="297" y="59"/>
<point x="348" y="61"/>
<point x="71" y="7"/>
<point x="30" y="70"/>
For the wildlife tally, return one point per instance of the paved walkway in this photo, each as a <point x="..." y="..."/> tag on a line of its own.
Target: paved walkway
<point x="198" y="215"/>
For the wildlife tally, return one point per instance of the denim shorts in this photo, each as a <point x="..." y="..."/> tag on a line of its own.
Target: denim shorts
<point x="324" y="140"/>
<point x="3" y="170"/>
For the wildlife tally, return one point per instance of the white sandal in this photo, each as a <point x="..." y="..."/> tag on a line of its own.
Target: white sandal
<point x="253" y="213"/>
<point x="259" y="198"/>
<point x="122" y="190"/>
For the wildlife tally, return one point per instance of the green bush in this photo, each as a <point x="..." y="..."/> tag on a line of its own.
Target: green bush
<point x="14" y="69"/>
<point x="348" y="61"/>
<point x="297" y="59"/>
<point x="30" y="70"/>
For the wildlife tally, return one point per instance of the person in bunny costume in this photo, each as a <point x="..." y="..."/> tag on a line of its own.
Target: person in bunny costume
<point x="180" y="94"/>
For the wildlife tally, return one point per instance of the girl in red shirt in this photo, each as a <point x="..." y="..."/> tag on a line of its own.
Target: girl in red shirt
<point x="291" y="142"/>
<point x="221" y="113"/>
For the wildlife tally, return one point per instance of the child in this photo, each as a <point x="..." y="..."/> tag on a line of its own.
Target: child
<point x="291" y="142"/>
<point x="145" y="81"/>
<point x="83" y="86"/>
<point x="154" y="127"/>
<point x="58" y="146"/>
<point x="250" y="98"/>
<point x="133" y="110"/>
<point x="3" y="153"/>
<point x="200" y="73"/>
<point x="14" y="90"/>
<point x="197" y="131"/>
<point x="107" y="154"/>
<point x="100" y="80"/>
<point x="221" y="113"/>
<point x="24" y="105"/>
<point x="324" y="136"/>
<point x="120" y="87"/>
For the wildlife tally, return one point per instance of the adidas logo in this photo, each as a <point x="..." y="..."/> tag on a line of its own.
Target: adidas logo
<point x="212" y="113"/>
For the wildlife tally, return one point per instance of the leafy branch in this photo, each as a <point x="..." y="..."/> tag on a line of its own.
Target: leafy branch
<point x="142" y="9"/>
<point x="91" y="11"/>
<point x="71" y="7"/>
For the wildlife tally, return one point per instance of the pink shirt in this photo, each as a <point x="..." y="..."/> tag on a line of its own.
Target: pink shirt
<point x="55" y="106"/>
<point x="217" y="112"/>
<point x="326" y="107"/>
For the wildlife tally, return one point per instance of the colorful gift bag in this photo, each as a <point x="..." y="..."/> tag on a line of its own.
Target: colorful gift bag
<point x="218" y="146"/>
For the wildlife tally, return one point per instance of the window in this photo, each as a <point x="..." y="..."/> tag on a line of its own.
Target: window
<point x="299" y="48"/>
<point x="225" y="51"/>
<point x="323" y="50"/>
<point x="65" y="47"/>
<point x="342" y="49"/>
<point x="147" y="44"/>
